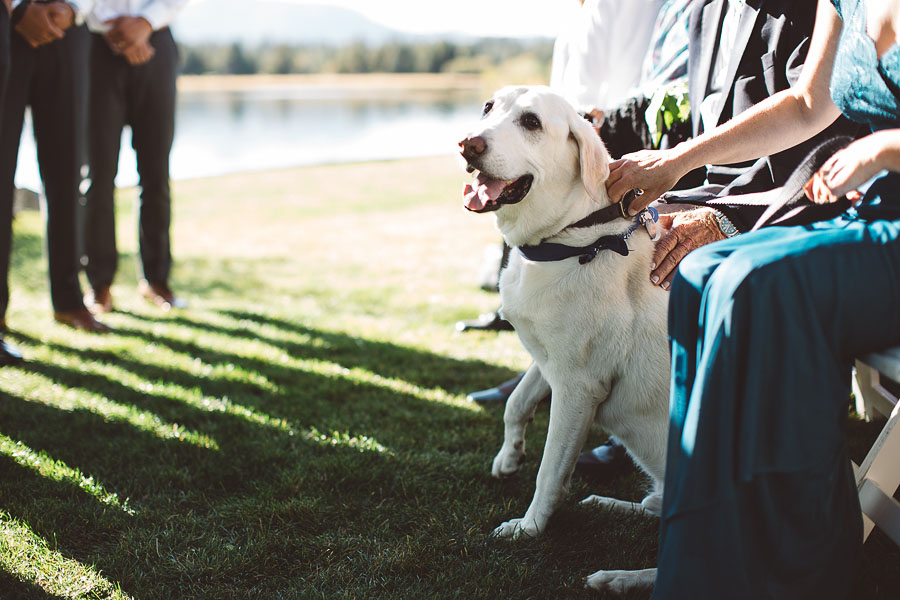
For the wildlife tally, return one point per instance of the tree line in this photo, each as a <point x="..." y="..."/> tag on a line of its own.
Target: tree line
<point x="392" y="57"/>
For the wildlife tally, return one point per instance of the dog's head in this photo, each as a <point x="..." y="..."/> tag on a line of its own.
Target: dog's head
<point x="531" y="143"/>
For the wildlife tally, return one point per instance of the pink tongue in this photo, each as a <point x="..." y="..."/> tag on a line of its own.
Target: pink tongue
<point x="483" y="192"/>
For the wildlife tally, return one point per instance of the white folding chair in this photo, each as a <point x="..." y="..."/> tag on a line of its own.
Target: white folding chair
<point x="878" y="477"/>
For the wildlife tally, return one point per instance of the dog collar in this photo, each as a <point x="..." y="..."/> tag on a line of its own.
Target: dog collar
<point x="553" y="252"/>
<point x="610" y="213"/>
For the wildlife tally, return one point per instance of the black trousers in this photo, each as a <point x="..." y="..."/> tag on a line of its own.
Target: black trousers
<point x="45" y="78"/>
<point x="4" y="55"/>
<point x="142" y="97"/>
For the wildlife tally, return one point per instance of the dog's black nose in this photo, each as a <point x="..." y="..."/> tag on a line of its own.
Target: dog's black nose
<point x="473" y="147"/>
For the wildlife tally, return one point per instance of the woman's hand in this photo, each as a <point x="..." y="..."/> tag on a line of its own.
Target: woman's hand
<point x="856" y="164"/>
<point x="687" y="231"/>
<point x="654" y="172"/>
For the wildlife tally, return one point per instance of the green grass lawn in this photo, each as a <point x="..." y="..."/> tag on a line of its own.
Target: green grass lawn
<point x="301" y="430"/>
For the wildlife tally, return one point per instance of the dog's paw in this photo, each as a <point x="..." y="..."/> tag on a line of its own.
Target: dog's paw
<point x="515" y="529"/>
<point x="507" y="462"/>
<point x="621" y="582"/>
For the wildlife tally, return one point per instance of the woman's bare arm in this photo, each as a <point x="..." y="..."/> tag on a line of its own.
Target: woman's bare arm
<point x="780" y="122"/>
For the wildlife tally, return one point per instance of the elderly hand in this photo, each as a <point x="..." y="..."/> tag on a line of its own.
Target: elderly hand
<point x="687" y="231"/>
<point x="654" y="172"/>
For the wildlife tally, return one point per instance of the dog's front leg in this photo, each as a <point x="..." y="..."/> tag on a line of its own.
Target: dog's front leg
<point x="519" y="412"/>
<point x="571" y="413"/>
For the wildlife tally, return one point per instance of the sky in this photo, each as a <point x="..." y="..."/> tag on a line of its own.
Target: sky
<point x="477" y="17"/>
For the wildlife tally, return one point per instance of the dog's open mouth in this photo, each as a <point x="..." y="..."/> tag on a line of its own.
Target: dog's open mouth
<point x="486" y="194"/>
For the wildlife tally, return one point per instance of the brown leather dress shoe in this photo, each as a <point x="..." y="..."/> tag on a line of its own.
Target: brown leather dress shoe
<point x="99" y="301"/>
<point x="81" y="318"/>
<point x="161" y="295"/>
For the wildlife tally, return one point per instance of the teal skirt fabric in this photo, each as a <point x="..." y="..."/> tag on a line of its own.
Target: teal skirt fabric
<point x="760" y="500"/>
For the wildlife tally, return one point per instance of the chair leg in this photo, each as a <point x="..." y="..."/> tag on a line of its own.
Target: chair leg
<point x="881" y="467"/>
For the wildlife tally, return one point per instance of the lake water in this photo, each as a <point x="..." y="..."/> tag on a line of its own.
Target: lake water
<point x="252" y="130"/>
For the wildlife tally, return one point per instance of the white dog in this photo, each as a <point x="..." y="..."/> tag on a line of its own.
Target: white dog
<point x="577" y="291"/>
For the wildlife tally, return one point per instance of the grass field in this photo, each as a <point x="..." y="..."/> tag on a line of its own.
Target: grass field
<point x="301" y="430"/>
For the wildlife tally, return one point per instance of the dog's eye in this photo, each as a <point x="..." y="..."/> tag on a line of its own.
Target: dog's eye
<point x="487" y="107"/>
<point x="531" y="122"/>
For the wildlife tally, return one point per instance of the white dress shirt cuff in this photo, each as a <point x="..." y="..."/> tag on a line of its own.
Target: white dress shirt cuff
<point x="82" y="8"/>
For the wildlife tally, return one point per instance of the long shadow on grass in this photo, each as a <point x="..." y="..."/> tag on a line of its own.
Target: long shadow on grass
<point x="290" y="517"/>
<point x="33" y="498"/>
<point x="110" y="450"/>
<point x="305" y="400"/>
<point x="209" y="386"/>
<point x="301" y="394"/>
<point x="302" y="511"/>
<point x="389" y="360"/>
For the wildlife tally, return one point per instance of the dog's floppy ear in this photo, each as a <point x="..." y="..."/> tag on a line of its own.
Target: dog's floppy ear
<point x="593" y="156"/>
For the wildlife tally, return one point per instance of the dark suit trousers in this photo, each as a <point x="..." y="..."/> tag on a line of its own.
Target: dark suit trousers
<point x="142" y="97"/>
<point x="45" y="79"/>
<point x="4" y="55"/>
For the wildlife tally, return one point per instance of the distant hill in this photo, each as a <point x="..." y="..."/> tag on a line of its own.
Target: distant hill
<point x="255" y="22"/>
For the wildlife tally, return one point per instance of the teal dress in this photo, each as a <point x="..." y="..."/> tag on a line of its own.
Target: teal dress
<point x="760" y="499"/>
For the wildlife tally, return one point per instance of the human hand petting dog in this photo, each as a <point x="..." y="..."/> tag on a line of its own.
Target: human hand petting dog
<point x="688" y="231"/>
<point x="654" y="172"/>
<point x="42" y="23"/>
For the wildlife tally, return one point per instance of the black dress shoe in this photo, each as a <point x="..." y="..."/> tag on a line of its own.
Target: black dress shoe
<point x="8" y="354"/>
<point x="486" y="322"/>
<point x="606" y="460"/>
<point x="496" y="395"/>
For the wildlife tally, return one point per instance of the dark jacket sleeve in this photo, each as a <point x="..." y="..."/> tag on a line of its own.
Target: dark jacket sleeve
<point x="772" y="62"/>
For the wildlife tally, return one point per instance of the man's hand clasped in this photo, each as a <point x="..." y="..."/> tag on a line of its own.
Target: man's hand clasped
<point x="43" y="23"/>
<point x="129" y="37"/>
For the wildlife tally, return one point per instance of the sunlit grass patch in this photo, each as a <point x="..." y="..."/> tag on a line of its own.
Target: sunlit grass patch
<point x="361" y="443"/>
<point x="30" y="558"/>
<point x="58" y="471"/>
<point x="39" y="389"/>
